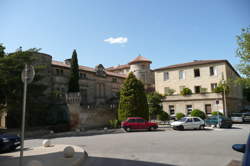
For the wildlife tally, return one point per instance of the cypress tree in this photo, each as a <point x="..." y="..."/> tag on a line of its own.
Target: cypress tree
<point x="133" y="101"/>
<point x="74" y="74"/>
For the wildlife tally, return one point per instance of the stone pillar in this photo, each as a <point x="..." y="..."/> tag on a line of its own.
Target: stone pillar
<point x="73" y="102"/>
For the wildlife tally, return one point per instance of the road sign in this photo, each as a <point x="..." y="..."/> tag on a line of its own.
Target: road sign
<point x="28" y="73"/>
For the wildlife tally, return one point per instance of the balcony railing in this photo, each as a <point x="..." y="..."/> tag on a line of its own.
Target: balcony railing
<point x="202" y="96"/>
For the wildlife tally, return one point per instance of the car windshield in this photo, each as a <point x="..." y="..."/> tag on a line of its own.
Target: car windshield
<point x="236" y="115"/>
<point x="183" y="119"/>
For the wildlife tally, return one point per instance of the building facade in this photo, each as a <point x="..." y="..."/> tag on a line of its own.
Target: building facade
<point x="201" y="77"/>
<point x="97" y="86"/>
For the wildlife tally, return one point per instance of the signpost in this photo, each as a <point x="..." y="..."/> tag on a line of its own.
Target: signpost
<point x="28" y="75"/>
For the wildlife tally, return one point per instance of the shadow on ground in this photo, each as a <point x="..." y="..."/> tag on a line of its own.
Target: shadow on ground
<point x="100" y="161"/>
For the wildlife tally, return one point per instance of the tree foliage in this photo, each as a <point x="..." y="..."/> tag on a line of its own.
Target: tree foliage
<point x="198" y="113"/>
<point x="243" y="52"/>
<point x="179" y="115"/>
<point x="133" y="101"/>
<point x="223" y="85"/>
<point x="154" y="103"/>
<point x="11" y="88"/>
<point x="216" y="113"/>
<point x="74" y="74"/>
<point x="186" y="91"/>
<point x="163" y="116"/>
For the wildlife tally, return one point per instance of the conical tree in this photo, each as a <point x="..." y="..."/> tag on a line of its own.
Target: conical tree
<point x="133" y="101"/>
<point x="74" y="74"/>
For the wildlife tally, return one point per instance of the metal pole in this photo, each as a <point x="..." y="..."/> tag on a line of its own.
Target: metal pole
<point x="23" y="117"/>
<point x="225" y="103"/>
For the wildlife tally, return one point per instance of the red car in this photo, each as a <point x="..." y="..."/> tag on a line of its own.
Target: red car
<point x="137" y="123"/>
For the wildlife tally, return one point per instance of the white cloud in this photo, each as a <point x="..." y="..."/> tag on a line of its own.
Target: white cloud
<point x="118" y="40"/>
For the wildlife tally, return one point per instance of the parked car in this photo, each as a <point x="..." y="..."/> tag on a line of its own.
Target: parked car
<point x="246" y="117"/>
<point x="223" y="121"/>
<point x="188" y="123"/>
<point x="9" y="142"/>
<point x="244" y="148"/>
<point x="237" y="117"/>
<point x="138" y="123"/>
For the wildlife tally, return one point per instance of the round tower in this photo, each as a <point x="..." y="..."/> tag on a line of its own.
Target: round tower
<point x="140" y="66"/>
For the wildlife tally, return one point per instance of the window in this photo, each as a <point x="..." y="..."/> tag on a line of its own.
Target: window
<point x="114" y="80"/>
<point x="197" y="89"/>
<point x="196" y="120"/>
<point x="61" y="72"/>
<point x="82" y="75"/>
<point x="181" y="75"/>
<point x="211" y="69"/>
<point x="140" y="120"/>
<point x="189" y="120"/>
<point x="208" y="108"/>
<point x="213" y="86"/>
<point x="181" y="88"/>
<point x="166" y="76"/>
<point x="57" y="72"/>
<point x="171" y="109"/>
<point x="131" y="120"/>
<point x="189" y="109"/>
<point x="166" y="90"/>
<point x="196" y="72"/>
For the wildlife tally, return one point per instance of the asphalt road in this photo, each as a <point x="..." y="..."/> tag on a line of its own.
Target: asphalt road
<point x="160" y="148"/>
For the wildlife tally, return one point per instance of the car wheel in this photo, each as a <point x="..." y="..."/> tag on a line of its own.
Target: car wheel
<point x="181" y="127"/>
<point x="202" y="127"/>
<point x="230" y="126"/>
<point x="150" y="128"/>
<point x="155" y="128"/>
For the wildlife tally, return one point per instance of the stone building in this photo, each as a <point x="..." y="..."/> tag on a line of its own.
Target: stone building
<point x="97" y="86"/>
<point x="201" y="77"/>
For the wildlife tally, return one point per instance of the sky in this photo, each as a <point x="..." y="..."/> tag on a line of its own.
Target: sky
<point x="113" y="32"/>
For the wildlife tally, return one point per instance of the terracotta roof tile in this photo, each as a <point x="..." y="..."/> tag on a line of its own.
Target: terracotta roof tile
<point x="118" y="67"/>
<point x="85" y="68"/>
<point x="140" y="59"/>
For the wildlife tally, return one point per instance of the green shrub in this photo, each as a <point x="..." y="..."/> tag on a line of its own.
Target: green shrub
<point x="114" y="123"/>
<point x="179" y="115"/>
<point x="163" y="116"/>
<point x="186" y="91"/>
<point x="198" y="113"/>
<point x="216" y="113"/>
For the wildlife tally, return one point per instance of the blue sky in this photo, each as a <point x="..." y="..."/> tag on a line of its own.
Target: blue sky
<point x="164" y="31"/>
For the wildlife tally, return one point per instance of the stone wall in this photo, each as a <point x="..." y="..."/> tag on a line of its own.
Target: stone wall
<point x="96" y="117"/>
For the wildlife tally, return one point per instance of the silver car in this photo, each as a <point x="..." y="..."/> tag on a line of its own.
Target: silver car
<point x="237" y="117"/>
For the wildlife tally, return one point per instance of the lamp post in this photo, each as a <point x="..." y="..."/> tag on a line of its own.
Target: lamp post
<point x="27" y="77"/>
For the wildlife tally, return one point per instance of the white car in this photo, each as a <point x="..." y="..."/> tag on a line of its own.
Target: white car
<point x="237" y="117"/>
<point x="189" y="123"/>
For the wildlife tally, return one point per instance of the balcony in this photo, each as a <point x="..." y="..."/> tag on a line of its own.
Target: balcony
<point x="202" y="96"/>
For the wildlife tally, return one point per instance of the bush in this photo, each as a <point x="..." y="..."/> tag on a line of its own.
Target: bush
<point x="198" y="113"/>
<point x="186" y="91"/>
<point x="163" y="116"/>
<point x="114" y="123"/>
<point x="179" y="115"/>
<point x="216" y="113"/>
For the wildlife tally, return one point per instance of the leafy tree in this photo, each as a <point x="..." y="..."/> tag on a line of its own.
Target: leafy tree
<point x="133" y="101"/>
<point x="11" y="87"/>
<point x="163" y="116"/>
<point x="74" y="74"/>
<point x="216" y="113"/>
<point x="186" y="91"/>
<point x="154" y="103"/>
<point x="179" y="115"/>
<point x="198" y="113"/>
<point x="243" y="52"/>
<point x="220" y="88"/>
<point x="2" y="48"/>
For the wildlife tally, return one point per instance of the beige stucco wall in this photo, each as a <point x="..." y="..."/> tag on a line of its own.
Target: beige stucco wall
<point x="189" y="81"/>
